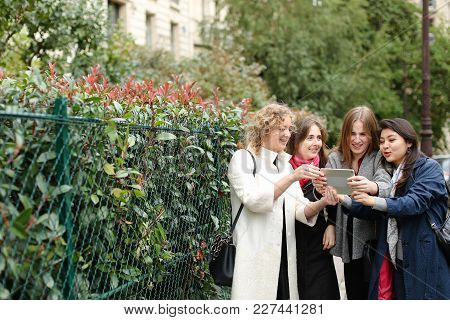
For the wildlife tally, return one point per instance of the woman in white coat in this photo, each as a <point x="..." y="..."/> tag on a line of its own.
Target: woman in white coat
<point x="265" y="265"/>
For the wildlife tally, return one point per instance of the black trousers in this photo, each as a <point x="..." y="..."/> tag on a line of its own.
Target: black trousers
<point x="283" y="278"/>
<point x="399" y="282"/>
<point x="355" y="285"/>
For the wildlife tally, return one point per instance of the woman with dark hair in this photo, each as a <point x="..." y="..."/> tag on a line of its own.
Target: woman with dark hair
<point x="408" y="262"/>
<point x="357" y="149"/>
<point x="316" y="275"/>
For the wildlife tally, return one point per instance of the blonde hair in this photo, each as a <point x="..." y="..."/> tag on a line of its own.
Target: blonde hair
<point x="263" y="122"/>
<point x="367" y="117"/>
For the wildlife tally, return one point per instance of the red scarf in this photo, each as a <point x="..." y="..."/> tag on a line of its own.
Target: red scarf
<point x="296" y="162"/>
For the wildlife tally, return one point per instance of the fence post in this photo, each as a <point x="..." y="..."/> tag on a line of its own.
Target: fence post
<point x="63" y="178"/>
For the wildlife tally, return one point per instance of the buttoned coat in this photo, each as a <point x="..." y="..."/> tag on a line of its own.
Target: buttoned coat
<point x="363" y="230"/>
<point x="258" y="233"/>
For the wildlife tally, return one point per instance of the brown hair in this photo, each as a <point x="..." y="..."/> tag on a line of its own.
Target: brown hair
<point x="404" y="129"/>
<point x="367" y="117"/>
<point x="302" y="127"/>
<point x="263" y="122"/>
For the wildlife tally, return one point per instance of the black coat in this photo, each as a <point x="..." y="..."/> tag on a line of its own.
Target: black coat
<point x="316" y="274"/>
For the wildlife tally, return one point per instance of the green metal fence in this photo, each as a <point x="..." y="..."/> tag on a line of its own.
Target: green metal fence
<point x="104" y="210"/>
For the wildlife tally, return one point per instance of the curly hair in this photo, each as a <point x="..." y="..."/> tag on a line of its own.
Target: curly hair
<point x="263" y="122"/>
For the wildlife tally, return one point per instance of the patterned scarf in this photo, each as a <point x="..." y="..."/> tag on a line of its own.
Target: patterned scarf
<point x="296" y="162"/>
<point x="392" y="228"/>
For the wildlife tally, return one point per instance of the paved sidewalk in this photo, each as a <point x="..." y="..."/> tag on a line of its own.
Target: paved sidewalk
<point x="339" y="265"/>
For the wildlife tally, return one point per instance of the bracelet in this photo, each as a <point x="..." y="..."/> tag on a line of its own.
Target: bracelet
<point x="314" y="193"/>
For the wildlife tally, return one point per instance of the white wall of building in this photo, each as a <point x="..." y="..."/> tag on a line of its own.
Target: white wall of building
<point x="439" y="11"/>
<point x="174" y="24"/>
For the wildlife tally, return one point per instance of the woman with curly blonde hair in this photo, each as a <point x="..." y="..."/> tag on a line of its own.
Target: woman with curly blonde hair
<point x="265" y="265"/>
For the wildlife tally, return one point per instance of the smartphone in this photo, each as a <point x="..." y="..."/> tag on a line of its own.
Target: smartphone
<point x="337" y="178"/>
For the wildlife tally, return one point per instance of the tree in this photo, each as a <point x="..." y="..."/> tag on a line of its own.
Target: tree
<point x="398" y="24"/>
<point x="33" y="31"/>
<point x="338" y="55"/>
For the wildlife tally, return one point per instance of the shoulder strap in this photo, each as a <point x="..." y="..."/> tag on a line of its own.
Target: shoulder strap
<point x="233" y="224"/>
<point x="430" y="217"/>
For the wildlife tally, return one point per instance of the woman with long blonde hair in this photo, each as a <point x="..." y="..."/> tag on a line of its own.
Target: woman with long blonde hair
<point x="357" y="149"/>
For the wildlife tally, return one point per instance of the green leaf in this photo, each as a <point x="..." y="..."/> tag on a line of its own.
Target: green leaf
<point x="44" y="157"/>
<point x="10" y="173"/>
<point x="2" y="263"/>
<point x="48" y="280"/>
<point x="61" y="189"/>
<point x="118" y="107"/>
<point x="53" y="222"/>
<point x="4" y="293"/>
<point x="94" y="198"/>
<point x="131" y="141"/>
<point x="195" y="148"/>
<point x="165" y="136"/>
<point x="133" y="272"/>
<point x="216" y="222"/>
<point x="26" y="202"/>
<point x="20" y="223"/>
<point x="117" y="192"/>
<point x="114" y="281"/>
<point x="41" y="183"/>
<point x="138" y="193"/>
<point x="109" y="169"/>
<point x="122" y="174"/>
<point x="210" y="156"/>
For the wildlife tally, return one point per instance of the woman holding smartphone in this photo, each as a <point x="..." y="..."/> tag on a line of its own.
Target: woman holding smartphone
<point x="357" y="149"/>
<point x="408" y="262"/>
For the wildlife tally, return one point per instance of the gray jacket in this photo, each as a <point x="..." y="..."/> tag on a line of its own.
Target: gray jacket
<point x="363" y="230"/>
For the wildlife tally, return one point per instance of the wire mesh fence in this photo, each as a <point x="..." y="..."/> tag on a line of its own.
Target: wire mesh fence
<point x="105" y="210"/>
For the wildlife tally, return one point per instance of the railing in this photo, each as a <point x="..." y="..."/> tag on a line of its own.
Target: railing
<point x="105" y="210"/>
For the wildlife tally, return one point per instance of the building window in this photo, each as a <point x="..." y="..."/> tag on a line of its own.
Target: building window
<point x="174" y="38"/>
<point x="150" y="30"/>
<point x="431" y="4"/>
<point x="115" y="13"/>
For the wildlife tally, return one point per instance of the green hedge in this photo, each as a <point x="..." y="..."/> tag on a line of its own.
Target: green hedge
<point x="118" y="198"/>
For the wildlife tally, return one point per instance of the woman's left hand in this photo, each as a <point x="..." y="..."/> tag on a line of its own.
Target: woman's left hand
<point x="362" y="184"/>
<point x="363" y="198"/>
<point x="330" y="196"/>
<point x="329" y="237"/>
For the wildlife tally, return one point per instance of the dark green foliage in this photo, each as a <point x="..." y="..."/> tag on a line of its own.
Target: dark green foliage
<point x="119" y="200"/>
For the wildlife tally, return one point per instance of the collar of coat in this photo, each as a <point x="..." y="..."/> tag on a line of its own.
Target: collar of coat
<point x="269" y="155"/>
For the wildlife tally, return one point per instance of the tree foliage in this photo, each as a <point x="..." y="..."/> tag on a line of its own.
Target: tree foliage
<point x="340" y="54"/>
<point x="35" y="31"/>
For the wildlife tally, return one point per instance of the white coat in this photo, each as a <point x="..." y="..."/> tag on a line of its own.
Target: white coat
<point x="258" y="233"/>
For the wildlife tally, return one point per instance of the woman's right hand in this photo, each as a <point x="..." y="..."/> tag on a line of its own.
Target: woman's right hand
<point x="307" y="171"/>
